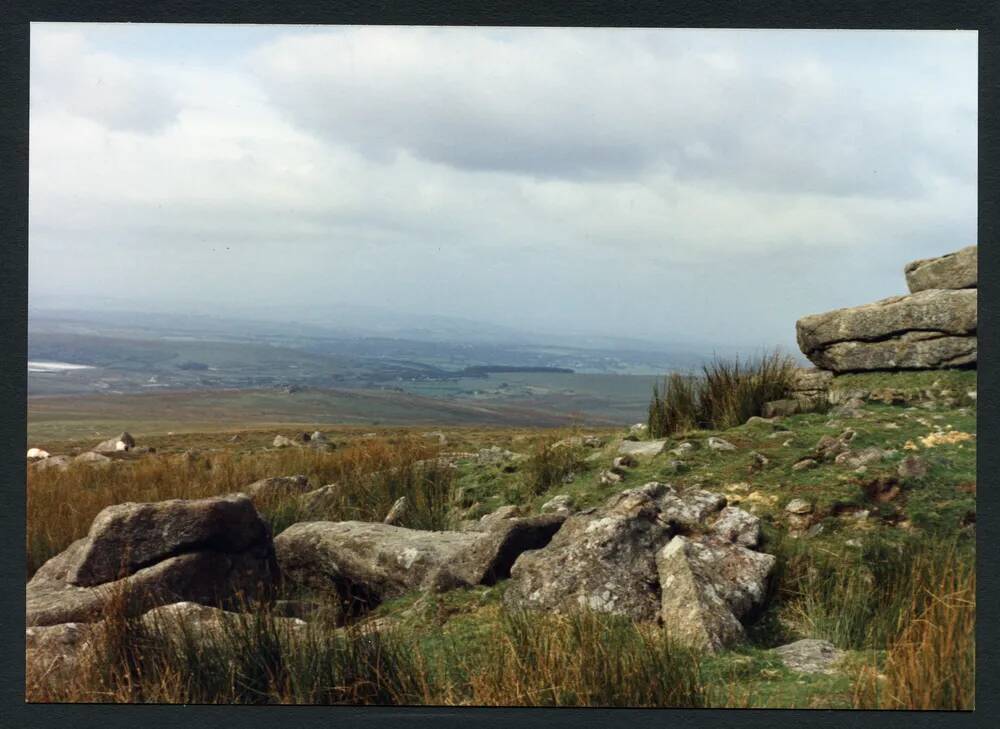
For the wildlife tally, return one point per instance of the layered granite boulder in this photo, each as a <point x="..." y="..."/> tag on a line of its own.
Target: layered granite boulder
<point x="932" y="328"/>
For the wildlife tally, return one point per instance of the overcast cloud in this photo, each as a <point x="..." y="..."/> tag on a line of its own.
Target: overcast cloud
<point x="660" y="184"/>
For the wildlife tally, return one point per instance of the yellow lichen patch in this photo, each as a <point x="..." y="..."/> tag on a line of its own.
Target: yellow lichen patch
<point x="949" y="438"/>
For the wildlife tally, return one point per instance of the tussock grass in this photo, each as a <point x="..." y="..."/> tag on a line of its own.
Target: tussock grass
<point x="931" y="661"/>
<point x="585" y="659"/>
<point x="861" y="597"/>
<point x="255" y="658"/>
<point x="547" y="467"/>
<point x="725" y="395"/>
<point x="369" y="475"/>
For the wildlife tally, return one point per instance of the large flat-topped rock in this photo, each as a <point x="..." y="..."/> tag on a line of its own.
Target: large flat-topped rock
<point x="927" y="330"/>
<point x="958" y="270"/>
<point x="365" y="563"/>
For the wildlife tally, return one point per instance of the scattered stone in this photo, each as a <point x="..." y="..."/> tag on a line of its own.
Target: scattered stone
<point x="810" y="656"/>
<point x="639" y="429"/>
<point x="720" y="444"/>
<point x="437" y="436"/>
<point x="278" y="486"/>
<point x="398" y="511"/>
<point x="281" y="441"/>
<point x="798" y="506"/>
<point x="54" y="654"/>
<point x="683" y="449"/>
<point x="610" y="477"/>
<point x="758" y="461"/>
<point x="193" y="620"/>
<point x="673" y="467"/>
<point x="626" y="461"/>
<point x="758" y="421"/>
<point x="562" y="504"/>
<point x="123" y="442"/>
<point x="804" y="464"/>
<point x="912" y="467"/>
<point x="92" y="458"/>
<point x="642" y="448"/>
<point x="37" y="454"/>
<point x="789" y="406"/>
<point x="60" y="463"/>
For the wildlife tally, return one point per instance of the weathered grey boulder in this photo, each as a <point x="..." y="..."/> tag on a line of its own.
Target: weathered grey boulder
<point x="92" y="458"/>
<point x="958" y="270"/>
<point x="58" y="463"/>
<point x="365" y="563"/>
<point x="930" y="329"/>
<point x="642" y="447"/>
<point x="398" y="511"/>
<point x="54" y="655"/>
<point x="127" y="537"/>
<point x="561" y="504"/>
<point x="278" y="486"/>
<point x="123" y="442"/>
<point x="810" y="656"/>
<point x="194" y="620"/>
<point x="612" y="560"/>
<point x="706" y="586"/>
<point x="145" y="555"/>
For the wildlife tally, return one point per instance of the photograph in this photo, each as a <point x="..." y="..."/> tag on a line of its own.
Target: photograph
<point x="501" y="366"/>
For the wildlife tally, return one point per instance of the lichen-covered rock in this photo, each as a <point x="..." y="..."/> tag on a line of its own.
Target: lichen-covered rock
<point x="642" y="447"/>
<point x="737" y="526"/>
<point x="365" y="563"/>
<point x="810" y="656"/>
<point x="611" y="560"/>
<point x="930" y="329"/>
<point x="719" y="444"/>
<point x="706" y="586"/>
<point x="123" y="442"/>
<point x="958" y="270"/>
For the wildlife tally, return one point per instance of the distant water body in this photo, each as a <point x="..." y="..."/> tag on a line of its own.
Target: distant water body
<point x="51" y="367"/>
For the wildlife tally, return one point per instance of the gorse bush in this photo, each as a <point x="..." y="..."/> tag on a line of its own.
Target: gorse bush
<point x="726" y="394"/>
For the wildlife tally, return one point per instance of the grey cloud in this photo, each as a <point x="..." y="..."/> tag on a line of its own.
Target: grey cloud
<point x="618" y="111"/>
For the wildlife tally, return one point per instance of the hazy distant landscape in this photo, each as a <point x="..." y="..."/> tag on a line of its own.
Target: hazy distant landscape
<point x="262" y="371"/>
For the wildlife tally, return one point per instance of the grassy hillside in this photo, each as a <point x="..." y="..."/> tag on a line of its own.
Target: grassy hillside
<point x="885" y="572"/>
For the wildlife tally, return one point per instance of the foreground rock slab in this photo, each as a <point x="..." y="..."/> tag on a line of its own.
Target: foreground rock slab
<point x="365" y="563"/>
<point x="140" y="556"/>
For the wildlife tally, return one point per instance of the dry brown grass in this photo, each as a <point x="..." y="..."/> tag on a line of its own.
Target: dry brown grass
<point x="931" y="664"/>
<point x="370" y="474"/>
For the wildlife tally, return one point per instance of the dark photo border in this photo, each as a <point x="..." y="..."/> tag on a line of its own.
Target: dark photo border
<point x="15" y="16"/>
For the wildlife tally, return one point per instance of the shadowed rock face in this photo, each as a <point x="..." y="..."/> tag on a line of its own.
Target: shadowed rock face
<point x="931" y="329"/>
<point x="145" y="555"/>
<point x="365" y="563"/>
<point x="958" y="270"/>
<point x="653" y="554"/>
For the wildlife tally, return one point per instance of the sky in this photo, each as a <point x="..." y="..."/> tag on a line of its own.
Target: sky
<point x="684" y="185"/>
